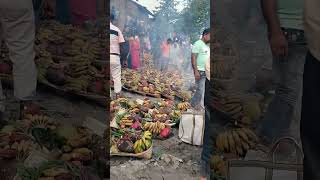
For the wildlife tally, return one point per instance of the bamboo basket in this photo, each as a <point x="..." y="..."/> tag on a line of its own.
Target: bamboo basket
<point x="144" y="155"/>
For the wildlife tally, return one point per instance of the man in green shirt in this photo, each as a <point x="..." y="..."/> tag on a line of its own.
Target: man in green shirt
<point x="200" y="53"/>
<point x="286" y="39"/>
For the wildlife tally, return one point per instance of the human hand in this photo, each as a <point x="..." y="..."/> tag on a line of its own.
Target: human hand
<point x="125" y="64"/>
<point x="279" y="45"/>
<point x="197" y="75"/>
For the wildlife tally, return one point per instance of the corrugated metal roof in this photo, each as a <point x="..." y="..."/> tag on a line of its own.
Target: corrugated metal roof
<point x="142" y="7"/>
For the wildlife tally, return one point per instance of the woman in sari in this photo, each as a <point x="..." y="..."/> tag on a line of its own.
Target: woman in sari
<point x="135" y="52"/>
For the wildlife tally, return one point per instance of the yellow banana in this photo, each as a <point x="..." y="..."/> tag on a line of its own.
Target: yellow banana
<point x="231" y="141"/>
<point x="243" y="135"/>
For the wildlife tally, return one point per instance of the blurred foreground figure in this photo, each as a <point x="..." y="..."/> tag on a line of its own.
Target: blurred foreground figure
<point x="17" y="29"/>
<point x="207" y="147"/>
<point x="116" y="38"/>
<point x="200" y="53"/>
<point x="287" y="43"/>
<point x="311" y="87"/>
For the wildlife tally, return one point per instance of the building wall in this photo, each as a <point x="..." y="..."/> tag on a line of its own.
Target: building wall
<point x="128" y="8"/>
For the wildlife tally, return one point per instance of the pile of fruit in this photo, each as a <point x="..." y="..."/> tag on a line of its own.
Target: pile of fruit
<point x="67" y="57"/>
<point x="137" y="121"/>
<point x="237" y="141"/>
<point x="129" y="112"/>
<point x="130" y="141"/>
<point x="152" y="82"/>
<point x="74" y="145"/>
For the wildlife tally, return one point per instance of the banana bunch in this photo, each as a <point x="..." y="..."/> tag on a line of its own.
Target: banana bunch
<point x="144" y="143"/>
<point x="236" y="141"/>
<point x="78" y="70"/>
<point x="59" y="28"/>
<point x="22" y="149"/>
<point x="95" y="50"/>
<point x="234" y="109"/>
<point x="38" y="121"/>
<point x="42" y="52"/>
<point x="154" y="127"/>
<point x="78" y="84"/>
<point x="93" y="71"/>
<point x="222" y="69"/>
<point x="242" y="109"/>
<point x="175" y="115"/>
<point x="79" y="43"/>
<point x="183" y="106"/>
<point x="44" y="34"/>
<point x="125" y="121"/>
<point x="42" y="74"/>
<point x="218" y="165"/>
<point x="185" y="95"/>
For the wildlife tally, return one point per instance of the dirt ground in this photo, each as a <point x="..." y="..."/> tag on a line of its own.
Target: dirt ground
<point x="172" y="159"/>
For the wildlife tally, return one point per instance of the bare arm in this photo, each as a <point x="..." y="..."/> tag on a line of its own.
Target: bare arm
<point x="278" y="42"/>
<point x="194" y="62"/>
<point x="270" y="15"/>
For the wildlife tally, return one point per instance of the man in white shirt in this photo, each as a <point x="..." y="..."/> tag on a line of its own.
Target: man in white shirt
<point x="116" y="38"/>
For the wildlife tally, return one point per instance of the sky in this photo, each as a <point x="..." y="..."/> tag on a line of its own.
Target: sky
<point x="152" y="4"/>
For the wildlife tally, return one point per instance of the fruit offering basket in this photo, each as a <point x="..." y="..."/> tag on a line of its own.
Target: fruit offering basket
<point x="131" y="144"/>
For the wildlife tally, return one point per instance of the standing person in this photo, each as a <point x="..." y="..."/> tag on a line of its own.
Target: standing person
<point x="311" y="88"/>
<point x="286" y="39"/>
<point x="165" y="58"/>
<point x="17" y="29"/>
<point x="200" y="53"/>
<point x="129" y="64"/>
<point x="207" y="140"/>
<point x="174" y="56"/>
<point x="135" y="52"/>
<point x="83" y="10"/>
<point x="116" y="39"/>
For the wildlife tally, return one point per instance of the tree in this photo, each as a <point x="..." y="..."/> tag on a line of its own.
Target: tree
<point x="165" y="16"/>
<point x="196" y="17"/>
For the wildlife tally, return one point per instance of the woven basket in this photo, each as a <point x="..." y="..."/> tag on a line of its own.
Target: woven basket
<point x="144" y="155"/>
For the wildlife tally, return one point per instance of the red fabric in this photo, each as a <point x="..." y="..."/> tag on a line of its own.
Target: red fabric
<point x="165" y="47"/>
<point x="83" y="10"/>
<point x="135" y="53"/>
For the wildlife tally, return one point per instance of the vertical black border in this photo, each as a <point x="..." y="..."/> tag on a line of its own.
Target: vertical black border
<point x="108" y="114"/>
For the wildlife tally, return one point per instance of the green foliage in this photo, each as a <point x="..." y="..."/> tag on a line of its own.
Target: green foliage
<point x="47" y="138"/>
<point x="196" y="18"/>
<point x="192" y="20"/>
<point x="165" y="16"/>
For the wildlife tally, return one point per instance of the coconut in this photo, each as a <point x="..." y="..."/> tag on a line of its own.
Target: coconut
<point x="5" y="68"/>
<point x="56" y="76"/>
<point x="96" y="87"/>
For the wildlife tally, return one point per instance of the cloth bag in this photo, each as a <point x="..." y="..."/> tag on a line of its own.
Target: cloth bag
<point x="191" y="128"/>
<point x="267" y="170"/>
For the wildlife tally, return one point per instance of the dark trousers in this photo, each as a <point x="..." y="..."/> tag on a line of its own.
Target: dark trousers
<point x="310" y="131"/>
<point x="197" y="97"/>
